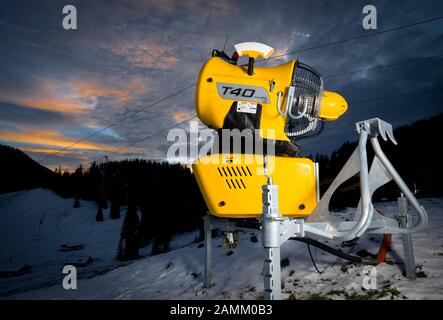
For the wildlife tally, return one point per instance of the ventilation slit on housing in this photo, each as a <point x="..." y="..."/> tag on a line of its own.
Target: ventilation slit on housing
<point x="230" y="174"/>
<point x="244" y="171"/>
<point x="233" y="170"/>
<point x="228" y="184"/>
<point x="242" y="183"/>
<point x="247" y="168"/>
<point x="233" y="184"/>
<point x="238" y="184"/>
<point x="224" y="172"/>
<point x="238" y="170"/>
<point x="221" y="175"/>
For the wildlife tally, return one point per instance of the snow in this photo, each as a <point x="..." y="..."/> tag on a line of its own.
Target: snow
<point x="21" y="242"/>
<point x="178" y="274"/>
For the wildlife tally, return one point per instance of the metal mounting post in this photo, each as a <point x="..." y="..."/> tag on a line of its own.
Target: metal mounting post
<point x="271" y="243"/>
<point x="208" y="251"/>
<point x="213" y="223"/>
<point x="408" y="248"/>
<point x="271" y="240"/>
<point x="272" y="274"/>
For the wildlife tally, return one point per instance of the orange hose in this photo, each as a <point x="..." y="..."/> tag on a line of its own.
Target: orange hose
<point x="384" y="248"/>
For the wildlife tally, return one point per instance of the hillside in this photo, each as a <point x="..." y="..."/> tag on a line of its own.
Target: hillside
<point x="20" y="172"/>
<point x="35" y="224"/>
<point x="178" y="274"/>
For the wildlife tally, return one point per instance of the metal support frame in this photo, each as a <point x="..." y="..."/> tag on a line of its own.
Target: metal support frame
<point x="320" y="224"/>
<point x="277" y="229"/>
<point x="272" y="273"/>
<point x="212" y="223"/>
<point x="271" y="241"/>
<point x="208" y="251"/>
<point x="408" y="248"/>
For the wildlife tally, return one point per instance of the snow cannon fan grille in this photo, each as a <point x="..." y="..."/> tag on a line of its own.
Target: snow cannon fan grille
<point x="304" y="110"/>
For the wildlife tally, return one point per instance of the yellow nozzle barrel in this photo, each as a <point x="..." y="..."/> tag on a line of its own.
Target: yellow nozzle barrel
<point x="333" y="106"/>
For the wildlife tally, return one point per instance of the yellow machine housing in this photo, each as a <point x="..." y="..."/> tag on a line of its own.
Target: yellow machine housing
<point x="232" y="185"/>
<point x="218" y="76"/>
<point x="212" y="108"/>
<point x="288" y="99"/>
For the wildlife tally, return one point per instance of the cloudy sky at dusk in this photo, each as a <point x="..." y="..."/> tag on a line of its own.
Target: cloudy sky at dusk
<point x="58" y="86"/>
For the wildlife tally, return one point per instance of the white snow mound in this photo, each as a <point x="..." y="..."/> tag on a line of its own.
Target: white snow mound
<point x="178" y="274"/>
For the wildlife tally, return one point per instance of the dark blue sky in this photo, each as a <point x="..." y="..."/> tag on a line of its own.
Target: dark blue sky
<point x="57" y="86"/>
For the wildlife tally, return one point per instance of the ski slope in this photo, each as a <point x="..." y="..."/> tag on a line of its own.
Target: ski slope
<point x="178" y="274"/>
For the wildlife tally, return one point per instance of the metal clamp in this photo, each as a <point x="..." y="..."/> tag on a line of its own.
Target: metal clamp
<point x="282" y="113"/>
<point x="302" y="114"/>
<point x="375" y="127"/>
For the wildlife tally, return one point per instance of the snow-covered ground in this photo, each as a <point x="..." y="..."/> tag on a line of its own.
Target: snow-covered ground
<point x="178" y="274"/>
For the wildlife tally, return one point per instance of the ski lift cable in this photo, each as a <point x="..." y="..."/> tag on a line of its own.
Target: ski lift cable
<point x="277" y="56"/>
<point x="350" y="114"/>
<point x="394" y="96"/>
<point x="357" y="101"/>
<point x="395" y="108"/>
<point x="417" y="59"/>
<point x="362" y="36"/>
<point x="188" y="119"/>
<point x="366" y="69"/>
<point x="149" y="136"/>
<point x="118" y="121"/>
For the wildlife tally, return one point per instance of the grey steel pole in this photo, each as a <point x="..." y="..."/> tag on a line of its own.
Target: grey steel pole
<point x="208" y="251"/>
<point x="271" y="240"/>
<point x="423" y="217"/>
<point x="317" y="181"/>
<point x="408" y="248"/>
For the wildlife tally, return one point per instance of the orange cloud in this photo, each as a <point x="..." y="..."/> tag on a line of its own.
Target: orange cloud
<point x="93" y="91"/>
<point x="147" y="55"/>
<point x="181" y="115"/>
<point x="50" y="138"/>
<point x="47" y="150"/>
<point x="136" y="85"/>
<point x="82" y="158"/>
<point x="281" y="53"/>
<point x="73" y="97"/>
<point x="51" y="104"/>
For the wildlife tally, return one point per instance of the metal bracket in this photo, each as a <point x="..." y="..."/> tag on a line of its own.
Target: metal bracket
<point x="375" y="127"/>
<point x="321" y="224"/>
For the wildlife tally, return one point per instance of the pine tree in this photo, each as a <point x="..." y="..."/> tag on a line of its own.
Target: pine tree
<point x="116" y="194"/>
<point x="76" y="203"/>
<point x="78" y="175"/>
<point x="99" y="216"/>
<point x="115" y="209"/>
<point x="129" y="237"/>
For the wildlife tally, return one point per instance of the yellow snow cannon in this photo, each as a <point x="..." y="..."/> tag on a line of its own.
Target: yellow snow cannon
<point x="279" y="105"/>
